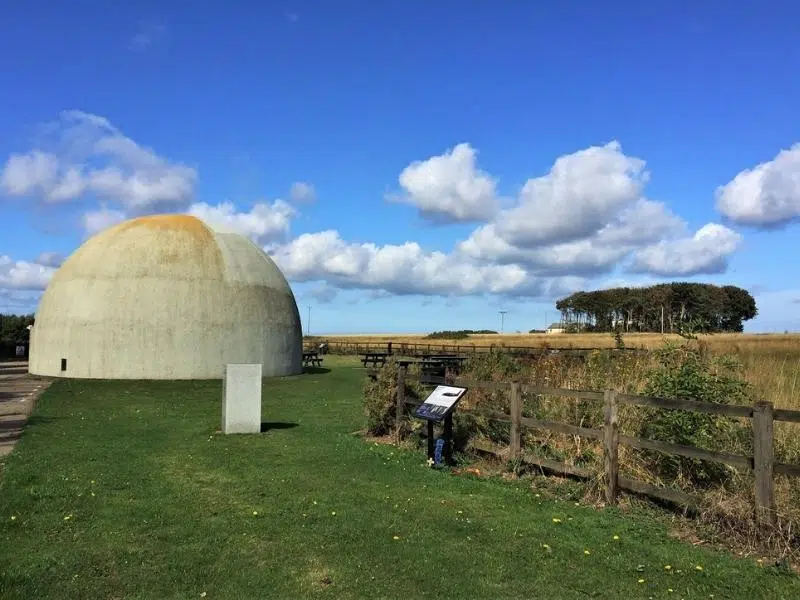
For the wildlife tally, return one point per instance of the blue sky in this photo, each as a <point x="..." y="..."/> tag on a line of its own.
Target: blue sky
<point x="414" y="165"/>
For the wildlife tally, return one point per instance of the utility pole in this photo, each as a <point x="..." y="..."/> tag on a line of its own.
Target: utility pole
<point x="308" y="323"/>
<point x="502" y="318"/>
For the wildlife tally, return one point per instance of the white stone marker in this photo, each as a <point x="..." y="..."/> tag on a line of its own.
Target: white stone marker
<point x="241" y="399"/>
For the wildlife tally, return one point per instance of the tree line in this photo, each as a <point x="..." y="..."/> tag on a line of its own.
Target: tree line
<point x="14" y="328"/>
<point x="668" y="307"/>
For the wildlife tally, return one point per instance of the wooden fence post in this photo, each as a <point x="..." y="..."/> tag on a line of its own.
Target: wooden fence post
<point x="401" y="400"/>
<point x="763" y="463"/>
<point x="611" y="445"/>
<point x="515" y="446"/>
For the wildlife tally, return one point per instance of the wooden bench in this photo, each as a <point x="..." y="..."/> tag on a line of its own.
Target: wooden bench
<point x="311" y="359"/>
<point x="374" y="358"/>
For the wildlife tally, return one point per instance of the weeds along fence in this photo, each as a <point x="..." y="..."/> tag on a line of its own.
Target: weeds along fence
<point x="762" y="415"/>
<point x="414" y="348"/>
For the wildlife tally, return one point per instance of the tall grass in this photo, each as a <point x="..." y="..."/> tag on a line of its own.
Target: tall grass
<point x="726" y="369"/>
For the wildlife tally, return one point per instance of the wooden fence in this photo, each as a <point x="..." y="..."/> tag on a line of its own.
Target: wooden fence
<point x="762" y="414"/>
<point x="412" y="349"/>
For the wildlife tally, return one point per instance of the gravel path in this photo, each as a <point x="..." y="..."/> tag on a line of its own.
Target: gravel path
<point x="18" y="392"/>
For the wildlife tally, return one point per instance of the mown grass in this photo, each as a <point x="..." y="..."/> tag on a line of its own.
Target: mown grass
<point x="125" y="490"/>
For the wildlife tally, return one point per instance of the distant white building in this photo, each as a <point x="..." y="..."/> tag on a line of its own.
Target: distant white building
<point x="557" y="328"/>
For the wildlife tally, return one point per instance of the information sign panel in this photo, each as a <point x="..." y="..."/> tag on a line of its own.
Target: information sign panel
<point x="440" y="402"/>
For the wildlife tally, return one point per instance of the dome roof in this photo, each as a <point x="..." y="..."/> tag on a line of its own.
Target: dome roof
<point x="165" y="297"/>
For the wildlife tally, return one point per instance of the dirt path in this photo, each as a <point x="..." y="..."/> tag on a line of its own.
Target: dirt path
<point x="18" y="392"/>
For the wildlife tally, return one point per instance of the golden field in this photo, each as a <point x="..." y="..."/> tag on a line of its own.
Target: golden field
<point x="771" y="361"/>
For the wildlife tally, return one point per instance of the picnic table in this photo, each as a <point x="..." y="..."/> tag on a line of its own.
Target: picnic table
<point x="311" y="359"/>
<point x="374" y="358"/>
<point x="443" y="361"/>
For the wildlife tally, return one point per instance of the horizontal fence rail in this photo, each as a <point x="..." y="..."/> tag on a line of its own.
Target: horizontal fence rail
<point x="414" y="348"/>
<point x="762" y="414"/>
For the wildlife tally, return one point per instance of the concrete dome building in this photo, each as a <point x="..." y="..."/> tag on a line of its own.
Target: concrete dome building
<point x="165" y="297"/>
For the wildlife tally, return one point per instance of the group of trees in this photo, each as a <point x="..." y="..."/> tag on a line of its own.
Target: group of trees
<point x="459" y="334"/>
<point x="668" y="307"/>
<point x="14" y="328"/>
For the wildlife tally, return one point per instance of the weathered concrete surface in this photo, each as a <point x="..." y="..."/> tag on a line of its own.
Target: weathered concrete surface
<point x="241" y="399"/>
<point x="18" y="392"/>
<point x="166" y="297"/>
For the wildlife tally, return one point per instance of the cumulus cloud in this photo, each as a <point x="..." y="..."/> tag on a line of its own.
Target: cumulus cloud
<point x="96" y="221"/>
<point x="323" y="293"/>
<point x="302" y="192"/>
<point x="23" y="275"/>
<point x="585" y="217"/>
<point x="264" y="223"/>
<point x="582" y="192"/>
<point x="17" y="302"/>
<point x="706" y="252"/>
<point x="767" y="195"/>
<point x="588" y="217"/>
<point x="642" y="223"/>
<point x="400" y="269"/>
<point x="449" y="187"/>
<point x="87" y="156"/>
<point x="50" y="259"/>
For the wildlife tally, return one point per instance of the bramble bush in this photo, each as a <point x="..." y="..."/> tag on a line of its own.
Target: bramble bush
<point x="689" y="371"/>
<point x="379" y="398"/>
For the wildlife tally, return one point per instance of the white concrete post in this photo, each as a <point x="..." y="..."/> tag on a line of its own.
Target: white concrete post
<point x="241" y="399"/>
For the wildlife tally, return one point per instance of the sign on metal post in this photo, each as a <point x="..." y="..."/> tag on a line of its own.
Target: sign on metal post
<point x="440" y="403"/>
<point x="438" y="407"/>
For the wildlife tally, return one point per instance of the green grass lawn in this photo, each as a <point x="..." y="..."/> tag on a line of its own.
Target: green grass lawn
<point x="124" y="490"/>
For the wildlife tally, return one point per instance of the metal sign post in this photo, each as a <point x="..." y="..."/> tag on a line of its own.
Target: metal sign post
<point x="438" y="408"/>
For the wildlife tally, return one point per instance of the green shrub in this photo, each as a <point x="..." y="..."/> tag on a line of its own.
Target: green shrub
<point x="379" y="398"/>
<point x="687" y="371"/>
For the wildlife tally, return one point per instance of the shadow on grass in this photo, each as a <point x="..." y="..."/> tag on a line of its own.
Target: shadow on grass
<point x="268" y="426"/>
<point x="315" y="370"/>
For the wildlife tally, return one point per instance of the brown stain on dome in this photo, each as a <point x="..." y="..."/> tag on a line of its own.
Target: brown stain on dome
<point x="185" y="223"/>
<point x="165" y="245"/>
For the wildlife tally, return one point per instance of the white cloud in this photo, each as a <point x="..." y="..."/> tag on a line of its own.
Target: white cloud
<point x="91" y="157"/>
<point x="302" y="192"/>
<point x="323" y="293"/>
<point x="766" y="195"/>
<point x="23" y="275"/>
<point x="264" y="223"/>
<point x="401" y="269"/>
<point x="449" y="187"/>
<point x="706" y="252"/>
<point x="642" y="223"/>
<point x="582" y="192"/>
<point x="585" y="217"/>
<point x="18" y="302"/>
<point x="50" y="259"/>
<point x="96" y="221"/>
<point x="147" y="35"/>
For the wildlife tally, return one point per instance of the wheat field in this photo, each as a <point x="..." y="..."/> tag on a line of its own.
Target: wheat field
<point x="771" y="361"/>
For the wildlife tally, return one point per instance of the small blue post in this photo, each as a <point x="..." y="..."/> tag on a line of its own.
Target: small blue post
<point x="437" y="454"/>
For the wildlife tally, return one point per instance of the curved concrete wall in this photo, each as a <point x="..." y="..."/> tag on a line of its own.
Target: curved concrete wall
<point x="165" y="297"/>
